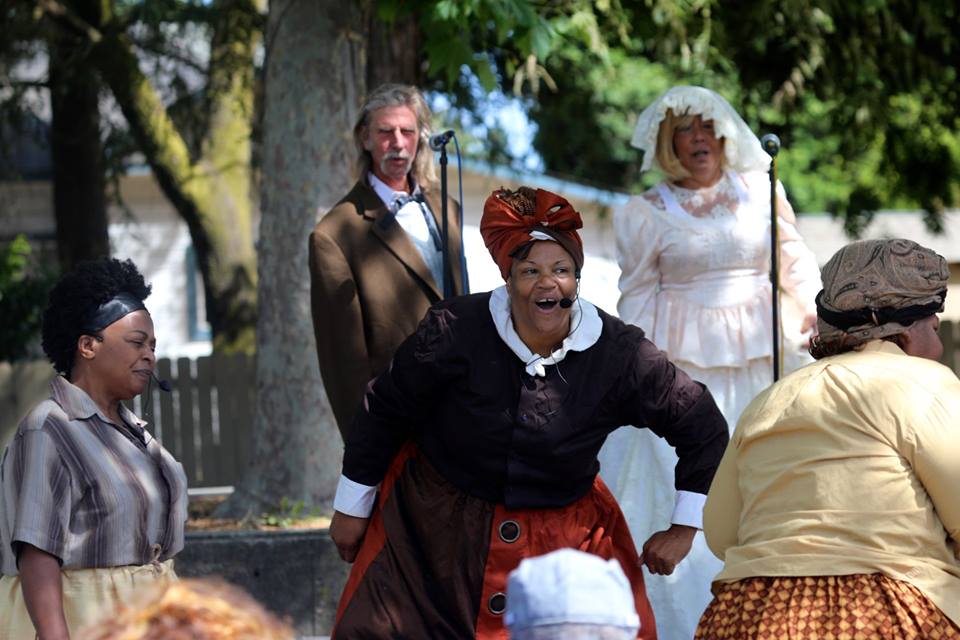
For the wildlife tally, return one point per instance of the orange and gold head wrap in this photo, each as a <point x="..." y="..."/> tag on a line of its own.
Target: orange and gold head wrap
<point x="509" y="218"/>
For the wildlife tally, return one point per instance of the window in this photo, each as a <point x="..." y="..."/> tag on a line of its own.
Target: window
<point x="197" y="326"/>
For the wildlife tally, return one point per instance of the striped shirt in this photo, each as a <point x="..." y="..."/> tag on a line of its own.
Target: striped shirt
<point x="88" y="491"/>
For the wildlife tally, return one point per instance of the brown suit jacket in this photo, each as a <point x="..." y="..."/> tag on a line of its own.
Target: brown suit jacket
<point x="369" y="288"/>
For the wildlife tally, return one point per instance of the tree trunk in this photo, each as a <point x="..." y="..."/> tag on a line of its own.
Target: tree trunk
<point x="393" y="51"/>
<point x="79" y="201"/>
<point x="213" y="195"/>
<point x="314" y="80"/>
<point x="225" y="160"/>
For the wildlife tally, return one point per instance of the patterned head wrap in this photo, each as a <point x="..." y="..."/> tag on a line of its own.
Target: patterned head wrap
<point x="514" y="219"/>
<point x="741" y="147"/>
<point x="875" y="289"/>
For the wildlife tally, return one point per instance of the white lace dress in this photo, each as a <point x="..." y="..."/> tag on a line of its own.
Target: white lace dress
<point x="695" y="276"/>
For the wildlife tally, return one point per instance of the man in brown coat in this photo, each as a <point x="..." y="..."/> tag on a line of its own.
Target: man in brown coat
<point x="376" y="260"/>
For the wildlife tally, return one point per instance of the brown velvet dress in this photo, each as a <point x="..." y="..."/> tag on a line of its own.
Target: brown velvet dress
<point x="481" y="465"/>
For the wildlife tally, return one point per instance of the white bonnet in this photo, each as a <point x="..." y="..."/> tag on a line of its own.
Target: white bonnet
<point x="741" y="147"/>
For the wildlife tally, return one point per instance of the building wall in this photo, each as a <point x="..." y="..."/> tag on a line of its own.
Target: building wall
<point x="150" y="233"/>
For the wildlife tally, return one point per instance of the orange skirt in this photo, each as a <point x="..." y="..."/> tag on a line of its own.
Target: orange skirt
<point x="849" y="607"/>
<point x="434" y="561"/>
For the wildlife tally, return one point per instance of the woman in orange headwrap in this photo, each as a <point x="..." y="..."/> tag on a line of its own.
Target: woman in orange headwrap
<point x="483" y="437"/>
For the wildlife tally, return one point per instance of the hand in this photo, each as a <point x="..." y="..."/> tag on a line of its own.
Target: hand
<point x="664" y="550"/>
<point x="347" y="533"/>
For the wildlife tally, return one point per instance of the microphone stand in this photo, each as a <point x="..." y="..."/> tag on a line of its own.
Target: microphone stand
<point x="445" y="232"/>
<point x="771" y="144"/>
<point x="439" y="143"/>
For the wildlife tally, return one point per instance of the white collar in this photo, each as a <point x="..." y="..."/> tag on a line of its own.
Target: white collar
<point x="583" y="317"/>
<point x="387" y="194"/>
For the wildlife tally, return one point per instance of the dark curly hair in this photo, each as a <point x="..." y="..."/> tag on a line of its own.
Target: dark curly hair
<point x="76" y="296"/>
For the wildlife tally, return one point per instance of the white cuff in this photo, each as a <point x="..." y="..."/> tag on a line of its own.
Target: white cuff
<point x="687" y="509"/>
<point x="353" y="498"/>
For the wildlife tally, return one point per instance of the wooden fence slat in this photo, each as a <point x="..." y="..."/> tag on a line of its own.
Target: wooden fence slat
<point x="209" y="454"/>
<point x="146" y="408"/>
<point x="226" y="378"/>
<point x="164" y="419"/>
<point x="246" y="394"/>
<point x="184" y="390"/>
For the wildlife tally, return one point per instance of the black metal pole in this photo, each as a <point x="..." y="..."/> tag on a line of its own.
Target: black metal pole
<point x="447" y="275"/>
<point x="771" y="144"/>
<point x="775" y="269"/>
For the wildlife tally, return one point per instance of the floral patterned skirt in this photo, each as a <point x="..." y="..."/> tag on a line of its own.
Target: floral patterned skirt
<point x="848" y="607"/>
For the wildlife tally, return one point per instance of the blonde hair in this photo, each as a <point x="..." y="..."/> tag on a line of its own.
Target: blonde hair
<point x="424" y="169"/>
<point x="207" y="609"/>
<point x="665" y="154"/>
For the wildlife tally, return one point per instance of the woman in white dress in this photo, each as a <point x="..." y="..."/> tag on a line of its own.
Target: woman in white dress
<point x="695" y="258"/>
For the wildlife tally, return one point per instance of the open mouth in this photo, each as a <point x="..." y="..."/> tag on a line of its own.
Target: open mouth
<point x="547" y="303"/>
<point x="701" y="153"/>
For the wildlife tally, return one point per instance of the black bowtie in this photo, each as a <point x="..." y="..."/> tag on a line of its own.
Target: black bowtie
<point x="403" y="199"/>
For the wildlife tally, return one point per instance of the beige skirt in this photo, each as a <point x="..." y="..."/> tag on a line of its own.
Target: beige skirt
<point x="88" y="595"/>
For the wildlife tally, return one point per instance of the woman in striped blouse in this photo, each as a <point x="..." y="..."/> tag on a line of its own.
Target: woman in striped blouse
<point x="92" y="508"/>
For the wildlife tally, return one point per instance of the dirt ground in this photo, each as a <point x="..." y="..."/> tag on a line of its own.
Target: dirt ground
<point x="200" y="518"/>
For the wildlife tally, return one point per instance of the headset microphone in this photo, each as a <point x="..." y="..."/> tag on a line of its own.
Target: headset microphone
<point x="163" y="384"/>
<point x="565" y="302"/>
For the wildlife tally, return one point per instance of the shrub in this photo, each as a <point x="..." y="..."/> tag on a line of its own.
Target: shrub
<point x="23" y="296"/>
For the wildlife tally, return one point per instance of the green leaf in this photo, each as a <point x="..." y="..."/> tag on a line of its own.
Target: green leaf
<point x="541" y="40"/>
<point x="485" y="73"/>
<point x="446" y="10"/>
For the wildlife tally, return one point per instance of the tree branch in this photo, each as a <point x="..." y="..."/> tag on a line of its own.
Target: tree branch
<point x="156" y="134"/>
<point x="62" y="14"/>
<point x="166" y="53"/>
<point x="25" y="84"/>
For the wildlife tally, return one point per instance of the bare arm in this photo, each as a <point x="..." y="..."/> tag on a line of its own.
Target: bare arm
<point x="347" y="533"/>
<point x="43" y="592"/>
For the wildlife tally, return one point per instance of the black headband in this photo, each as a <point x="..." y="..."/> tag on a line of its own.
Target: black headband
<point x="845" y="320"/>
<point x="110" y="311"/>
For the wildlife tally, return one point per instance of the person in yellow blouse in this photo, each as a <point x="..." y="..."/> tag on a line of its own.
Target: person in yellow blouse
<point x="836" y="507"/>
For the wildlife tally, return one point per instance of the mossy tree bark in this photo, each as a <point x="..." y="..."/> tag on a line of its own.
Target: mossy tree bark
<point x="314" y="80"/>
<point x="320" y="58"/>
<point x="213" y="192"/>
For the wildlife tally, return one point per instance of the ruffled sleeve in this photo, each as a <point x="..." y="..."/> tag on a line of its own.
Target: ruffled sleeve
<point x="400" y="398"/>
<point x="799" y="273"/>
<point x="638" y="231"/>
<point x="655" y="393"/>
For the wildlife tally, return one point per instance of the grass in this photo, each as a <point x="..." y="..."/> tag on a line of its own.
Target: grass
<point x="286" y="517"/>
